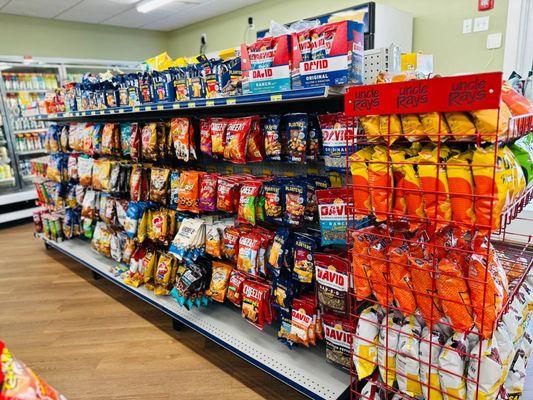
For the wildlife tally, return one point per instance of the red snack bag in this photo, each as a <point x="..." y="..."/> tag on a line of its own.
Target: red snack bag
<point x="237" y="132"/>
<point x="253" y="304"/>
<point x="217" y="129"/>
<point x="228" y="194"/>
<point x="236" y="282"/>
<point x="248" y="253"/>
<point x="135" y="142"/>
<point x="303" y="321"/>
<point x="230" y="245"/>
<point x="248" y="194"/>
<point x="208" y="192"/>
<point x="205" y="138"/>
<point x="255" y="151"/>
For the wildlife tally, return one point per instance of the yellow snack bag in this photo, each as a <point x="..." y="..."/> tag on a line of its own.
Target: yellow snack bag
<point x="380" y="183"/>
<point x="412" y="127"/>
<point x="518" y="178"/>
<point x="486" y="122"/>
<point x="370" y="124"/>
<point x="365" y="352"/>
<point x="413" y="193"/>
<point x="460" y="125"/>
<point x="483" y="172"/>
<point x="361" y="193"/>
<point x="432" y="124"/>
<point x="435" y="186"/>
<point x="390" y="131"/>
<point x="461" y="184"/>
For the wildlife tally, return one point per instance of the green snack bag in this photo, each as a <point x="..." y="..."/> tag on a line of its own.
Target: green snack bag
<point x="523" y="151"/>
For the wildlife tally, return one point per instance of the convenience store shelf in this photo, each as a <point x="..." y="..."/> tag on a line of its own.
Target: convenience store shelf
<point x="16" y="91"/>
<point x="31" y="152"/>
<point x="17" y="215"/>
<point x="305" y="370"/>
<point x="301" y="95"/>
<point x="37" y="130"/>
<point x="18" y="197"/>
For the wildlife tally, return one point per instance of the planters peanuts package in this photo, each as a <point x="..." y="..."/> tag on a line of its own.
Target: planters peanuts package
<point x="265" y="65"/>
<point x="336" y="55"/>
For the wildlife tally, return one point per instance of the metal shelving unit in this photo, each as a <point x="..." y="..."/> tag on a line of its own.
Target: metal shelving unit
<point x="305" y="370"/>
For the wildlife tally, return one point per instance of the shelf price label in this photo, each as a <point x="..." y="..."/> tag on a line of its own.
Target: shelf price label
<point x="135" y="109"/>
<point x="175" y="106"/>
<point x="229" y="169"/>
<point x="275" y="97"/>
<point x="231" y="101"/>
<point x="210" y="103"/>
<point x="93" y="112"/>
<point x="191" y="104"/>
<point x="121" y="111"/>
<point x="160" y="107"/>
<point x="148" y="108"/>
<point x="246" y="170"/>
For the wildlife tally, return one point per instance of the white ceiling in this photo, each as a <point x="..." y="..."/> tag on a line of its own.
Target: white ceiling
<point x="122" y="12"/>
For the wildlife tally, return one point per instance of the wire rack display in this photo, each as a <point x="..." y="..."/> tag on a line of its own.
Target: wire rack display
<point x="441" y="283"/>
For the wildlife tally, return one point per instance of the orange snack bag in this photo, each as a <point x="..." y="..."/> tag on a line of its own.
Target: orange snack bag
<point x="434" y="125"/>
<point x="361" y="194"/>
<point x="188" y="191"/>
<point x="422" y="276"/>
<point x="518" y="104"/>
<point x="412" y="127"/>
<point x="412" y="193"/>
<point x="460" y="125"/>
<point x="390" y="131"/>
<point x="400" y="277"/>
<point x="435" y="186"/>
<point x="492" y="304"/>
<point x="380" y="183"/>
<point x="454" y="295"/>
<point x="378" y="275"/>
<point x="461" y="185"/>
<point x="361" y="270"/>
<point x="483" y="172"/>
<point x="486" y="122"/>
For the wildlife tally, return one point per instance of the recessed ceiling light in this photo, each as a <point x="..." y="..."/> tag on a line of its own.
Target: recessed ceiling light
<point x="146" y="6"/>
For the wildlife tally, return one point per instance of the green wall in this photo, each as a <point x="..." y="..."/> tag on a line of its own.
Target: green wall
<point x="437" y="29"/>
<point x="50" y="38"/>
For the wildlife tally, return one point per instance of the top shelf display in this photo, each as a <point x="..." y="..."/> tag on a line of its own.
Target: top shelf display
<point x="302" y="95"/>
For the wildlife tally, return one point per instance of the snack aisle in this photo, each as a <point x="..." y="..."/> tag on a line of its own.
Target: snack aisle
<point x="355" y="234"/>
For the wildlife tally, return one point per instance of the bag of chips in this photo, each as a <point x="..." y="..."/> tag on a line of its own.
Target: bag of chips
<point x="361" y="193"/>
<point x="85" y="170"/>
<point x="412" y="128"/>
<point x="304" y="265"/>
<point x="248" y="253"/>
<point x="489" y="209"/>
<point x="136" y="142"/>
<point x="164" y="274"/>
<point x="400" y="277"/>
<point x="430" y="379"/>
<point x="273" y="193"/>
<point x="435" y="186"/>
<point x="517" y="104"/>
<point x="188" y="191"/>
<point x="255" y="151"/>
<point x="235" y="286"/>
<point x="389" y="332"/>
<point x="493" y="123"/>
<point x="149" y="142"/>
<point x="361" y="268"/>
<point x="228" y="193"/>
<point x="407" y="359"/>
<point x="235" y="146"/>
<point x="248" y="194"/>
<point x="454" y="294"/>
<point x="230" y="246"/>
<point x="379" y="272"/>
<point x="365" y="342"/>
<point x="159" y="178"/>
<point x="461" y="126"/>
<point x="390" y="128"/>
<point x="255" y="303"/>
<point x="278" y="253"/>
<point x="452" y="362"/>
<point x="380" y="183"/>
<point x="217" y="128"/>
<point x="219" y="281"/>
<point x="296" y="132"/>
<point x="206" y="146"/>
<point x="295" y="202"/>
<point x="179" y="130"/>
<point x="461" y="184"/>
<point x="273" y="138"/>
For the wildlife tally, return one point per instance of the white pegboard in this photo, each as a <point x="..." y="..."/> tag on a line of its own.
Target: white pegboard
<point x="381" y="60"/>
<point x="306" y="370"/>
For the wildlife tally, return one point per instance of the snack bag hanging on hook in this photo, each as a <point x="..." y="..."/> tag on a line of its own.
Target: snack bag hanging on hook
<point x="380" y="183"/>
